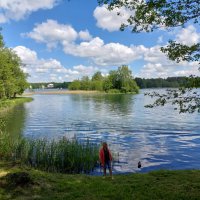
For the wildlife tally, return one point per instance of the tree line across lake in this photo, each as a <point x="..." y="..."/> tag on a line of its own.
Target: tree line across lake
<point x="170" y="82"/>
<point x="117" y="81"/>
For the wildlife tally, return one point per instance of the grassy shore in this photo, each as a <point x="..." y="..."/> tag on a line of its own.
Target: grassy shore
<point x="154" y="185"/>
<point x="10" y="103"/>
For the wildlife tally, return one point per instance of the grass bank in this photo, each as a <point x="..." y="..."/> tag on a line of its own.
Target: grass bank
<point x="154" y="185"/>
<point x="10" y="103"/>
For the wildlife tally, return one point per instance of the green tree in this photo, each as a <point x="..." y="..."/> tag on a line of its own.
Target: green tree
<point x="125" y="81"/>
<point x="97" y="85"/>
<point x="75" y="85"/>
<point x="107" y="84"/>
<point x="85" y="83"/>
<point x="12" y="79"/>
<point x="97" y="76"/>
<point x="121" y="80"/>
<point x="113" y="79"/>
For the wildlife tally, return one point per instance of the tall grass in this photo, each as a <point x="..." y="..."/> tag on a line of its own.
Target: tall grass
<point x="65" y="156"/>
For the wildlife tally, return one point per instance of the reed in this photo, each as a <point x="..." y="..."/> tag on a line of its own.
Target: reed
<point x="64" y="156"/>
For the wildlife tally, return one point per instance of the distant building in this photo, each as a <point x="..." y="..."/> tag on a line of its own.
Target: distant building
<point x="50" y="85"/>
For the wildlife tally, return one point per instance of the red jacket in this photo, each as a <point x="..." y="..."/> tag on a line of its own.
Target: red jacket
<point x="101" y="156"/>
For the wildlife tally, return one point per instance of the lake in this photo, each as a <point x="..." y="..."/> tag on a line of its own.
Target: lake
<point x="160" y="138"/>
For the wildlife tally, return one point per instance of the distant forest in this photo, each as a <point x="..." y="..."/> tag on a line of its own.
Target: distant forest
<point x="170" y="82"/>
<point x="63" y="85"/>
<point x="141" y="82"/>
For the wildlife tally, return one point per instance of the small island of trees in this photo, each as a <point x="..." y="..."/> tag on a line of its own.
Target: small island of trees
<point x="117" y="81"/>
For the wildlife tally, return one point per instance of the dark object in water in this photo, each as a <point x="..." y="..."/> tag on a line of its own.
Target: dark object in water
<point x="139" y="164"/>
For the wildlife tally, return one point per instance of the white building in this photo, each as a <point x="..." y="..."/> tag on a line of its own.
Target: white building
<point x="50" y="85"/>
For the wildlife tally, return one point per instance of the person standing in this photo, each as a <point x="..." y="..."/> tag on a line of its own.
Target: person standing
<point x="105" y="158"/>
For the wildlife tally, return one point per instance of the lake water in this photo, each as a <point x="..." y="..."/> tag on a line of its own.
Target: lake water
<point x="160" y="138"/>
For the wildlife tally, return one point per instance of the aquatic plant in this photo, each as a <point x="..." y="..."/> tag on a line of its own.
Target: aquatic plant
<point x="63" y="155"/>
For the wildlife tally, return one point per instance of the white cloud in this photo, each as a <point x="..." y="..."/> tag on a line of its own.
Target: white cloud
<point x="85" y="70"/>
<point x="100" y="53"/>
<point x="27" y="55"/>
<point x="188" y="36"/>
<point x="158" y="65"/>
<point x="111" y="20"/>
<point x="19" y="9"/>
<point x="50" y="69"/>
<point x="51" y="33"/>
<point x="154" y="70"/>
<point x="38" y="69"/>
<point x="153" y="54"/>
<point x="104" y="54"/>
<point x="85" y="35"/>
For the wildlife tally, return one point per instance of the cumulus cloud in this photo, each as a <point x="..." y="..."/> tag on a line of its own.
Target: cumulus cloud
<point x="52" y="33"/>
<point x="50" y="69"/>
<point x="188" y="36"/>
<point x="19" y="9"/>
<point x="27" y="55"/>
<point x="158" y="65"/>
<point x="104" y="54"/>
<point x="111" y="20"/>
<point x="82" y="44"/>
<point x="36" y="67"/>
<point x="85" y="35"/>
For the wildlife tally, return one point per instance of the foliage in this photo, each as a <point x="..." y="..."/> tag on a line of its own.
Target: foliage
<point x="179" y="52"/>
<point x="97" y="76"/>
<point x="12" y="78"/>
<point x="119" y="80"/>
<point x="75" y="85"/>
<point x="185" y="100"/>
<point x="153" y="14"/>
<point x="163" y="184"/>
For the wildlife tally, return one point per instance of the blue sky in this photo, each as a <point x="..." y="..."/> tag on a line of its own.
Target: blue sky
<point x="64" y="40"/>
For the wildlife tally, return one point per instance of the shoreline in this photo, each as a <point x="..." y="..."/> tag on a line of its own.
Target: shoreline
<point x="6" y="105"/>
<point x="77" y="92"/>
<point x="63" y="92"/>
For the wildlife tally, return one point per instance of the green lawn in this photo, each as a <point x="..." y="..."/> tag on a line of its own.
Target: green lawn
<point x="183" y="184"/>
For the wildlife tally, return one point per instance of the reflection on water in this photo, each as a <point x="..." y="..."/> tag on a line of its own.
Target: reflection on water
<point x="14" y="120"/>
<point x="116" y="104"/>
<point x="160" y="138"/>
